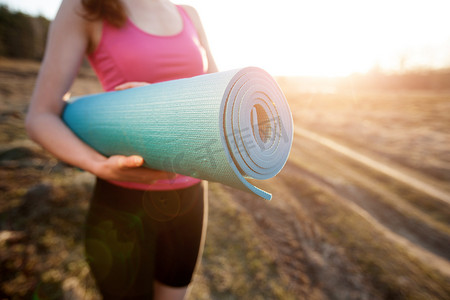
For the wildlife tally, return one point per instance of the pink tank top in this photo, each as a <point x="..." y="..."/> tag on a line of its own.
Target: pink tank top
<point x="131" y="54"/>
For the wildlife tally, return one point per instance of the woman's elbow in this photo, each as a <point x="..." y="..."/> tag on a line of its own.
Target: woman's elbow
<point x="30" y="125"/>
<point x="33" y="122"/>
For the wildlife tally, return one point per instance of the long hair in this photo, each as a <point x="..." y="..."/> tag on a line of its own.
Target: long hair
<point x="111" y="11"/>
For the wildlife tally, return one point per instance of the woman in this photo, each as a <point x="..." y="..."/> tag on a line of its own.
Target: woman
<point x="145" y="228"/>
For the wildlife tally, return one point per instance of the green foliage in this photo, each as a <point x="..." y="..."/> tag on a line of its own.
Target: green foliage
<point x="22" y="36"/>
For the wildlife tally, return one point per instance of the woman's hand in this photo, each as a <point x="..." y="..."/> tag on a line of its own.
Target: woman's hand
<point x="128" y="168"/>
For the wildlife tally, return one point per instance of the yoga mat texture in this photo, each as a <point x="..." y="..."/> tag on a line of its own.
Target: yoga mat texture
<point x="225" y="127"/>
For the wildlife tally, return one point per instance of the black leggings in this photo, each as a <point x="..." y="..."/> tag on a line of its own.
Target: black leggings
<point x="135" y="237"/>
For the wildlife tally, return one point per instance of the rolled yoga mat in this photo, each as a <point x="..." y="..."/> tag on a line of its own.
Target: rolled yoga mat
<point x="225" y="127"/>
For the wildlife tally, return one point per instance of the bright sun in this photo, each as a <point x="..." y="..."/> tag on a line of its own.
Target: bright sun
<point x="328" y="38"/>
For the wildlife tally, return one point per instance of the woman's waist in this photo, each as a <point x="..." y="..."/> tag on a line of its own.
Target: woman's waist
<point x="179" y="182"/>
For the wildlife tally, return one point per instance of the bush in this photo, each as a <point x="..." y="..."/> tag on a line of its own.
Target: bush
<point x="21" y="35"/>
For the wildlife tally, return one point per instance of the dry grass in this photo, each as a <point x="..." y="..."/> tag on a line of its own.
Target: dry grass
<point x="308" y="243"/>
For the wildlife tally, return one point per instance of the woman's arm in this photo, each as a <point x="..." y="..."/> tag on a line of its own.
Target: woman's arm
<point x="193" y="15"/>
<point x="67" y="43"/>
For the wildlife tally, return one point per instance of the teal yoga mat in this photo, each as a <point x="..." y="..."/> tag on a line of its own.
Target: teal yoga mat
<point x="226" y="127"/>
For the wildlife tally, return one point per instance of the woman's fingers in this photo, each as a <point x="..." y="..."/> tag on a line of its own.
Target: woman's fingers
<point x="129" y="168"/>
<point x="133" y="161"/>
<point x="129" y="85"/>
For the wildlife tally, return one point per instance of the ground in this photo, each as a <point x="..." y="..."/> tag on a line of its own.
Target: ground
<point x="336" y="228"/>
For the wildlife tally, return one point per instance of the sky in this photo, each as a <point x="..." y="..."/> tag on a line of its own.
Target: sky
<point x="315" y="38"/>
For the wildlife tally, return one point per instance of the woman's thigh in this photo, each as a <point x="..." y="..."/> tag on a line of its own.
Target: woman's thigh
<point x="136" y="237"/>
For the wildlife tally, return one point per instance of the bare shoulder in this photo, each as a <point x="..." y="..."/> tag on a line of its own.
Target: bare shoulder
<point x="71" y="9"/>
<point x="195" y="18"/>
<point x="193" y="14"/>
<point x="72" y="18"/>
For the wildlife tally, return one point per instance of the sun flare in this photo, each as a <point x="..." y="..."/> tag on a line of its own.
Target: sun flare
<point x="328" y="38"/>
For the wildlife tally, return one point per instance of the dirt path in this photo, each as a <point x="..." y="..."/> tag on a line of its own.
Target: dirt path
<point x="380" y="194"/>
<point x="388" y="213"/>
<point x="387" y="170"/>
<point x="301" y="248"/>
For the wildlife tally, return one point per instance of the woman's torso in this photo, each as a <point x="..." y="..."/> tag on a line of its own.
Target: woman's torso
<point x="136" y="53"/>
